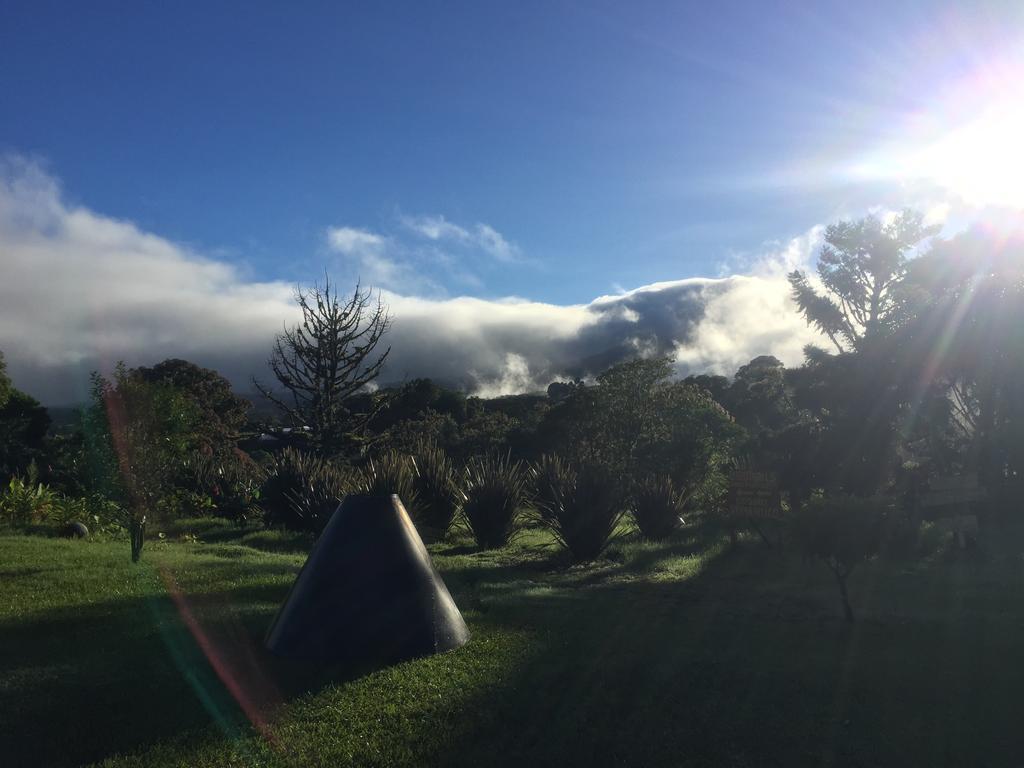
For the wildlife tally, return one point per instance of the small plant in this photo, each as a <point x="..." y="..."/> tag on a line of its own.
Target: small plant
<point x="496" y="489"/>
<point x="437" y="490"/>
<point x="583" y="510"/>
<point x="551" y="476"/>
<point x="392" y="472"/>
<point x="841" y="531"/>
<point x="658" y="507"/>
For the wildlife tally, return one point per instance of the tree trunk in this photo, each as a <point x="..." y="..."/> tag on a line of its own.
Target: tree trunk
<point x="137" y="532"/>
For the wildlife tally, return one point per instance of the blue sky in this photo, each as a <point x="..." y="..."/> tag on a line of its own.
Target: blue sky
<point x="614" y="143"/>
<point x="554" y="151"/>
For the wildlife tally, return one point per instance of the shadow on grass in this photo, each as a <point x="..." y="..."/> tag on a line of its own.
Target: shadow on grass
<point x="712" y="673"/>
<point x="82" y="684"/>
<point x="618" y="671"/>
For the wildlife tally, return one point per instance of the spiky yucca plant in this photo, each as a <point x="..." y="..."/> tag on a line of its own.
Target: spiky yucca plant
<point x="496" y="489"/>
<point x="551" y="476"/>
<point x="437" y="490"/>
<point x="658" y="507"/>
<point x="392" y="472"/>
<point x="301" y="491"/>
<point x="584" y="510"/>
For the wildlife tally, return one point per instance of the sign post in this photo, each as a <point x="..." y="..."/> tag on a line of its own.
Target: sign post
<point x="754" y="495"/>
<point x="951" y="502"/>
<point x="753" y="498"/>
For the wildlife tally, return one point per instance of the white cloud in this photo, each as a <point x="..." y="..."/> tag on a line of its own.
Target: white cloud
<point x="481" y="236"/>
<point x="380" y="261"/>
<point x="81" y="290"/>
<point x="350" y="241"/>
<point x="436" y="228"/>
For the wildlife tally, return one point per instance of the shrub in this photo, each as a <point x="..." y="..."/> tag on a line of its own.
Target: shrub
<point x="180" y="502"/>
<point x="841" y="531"/>
<point x="658" y="507"/>
<point x="26" y="502"/>
<point x="496" y="489"/>
<point x="100" y="514"/>
<point x="231" y="481"/>
<point x="551" y="476"/>
<point x="301" y="491"/>
<point x="392" y="472"/>
<point x="583" y="510"/>
<point x="437" y="490"/>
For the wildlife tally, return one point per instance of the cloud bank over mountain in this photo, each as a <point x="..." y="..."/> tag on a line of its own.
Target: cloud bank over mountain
<point x="80" y="291"/>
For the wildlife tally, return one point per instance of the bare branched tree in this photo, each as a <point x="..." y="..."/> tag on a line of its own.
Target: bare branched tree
<point x="325" y="360"/>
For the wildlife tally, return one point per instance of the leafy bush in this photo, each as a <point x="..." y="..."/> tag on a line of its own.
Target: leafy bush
<point x="582" y="510"/>
<point x="841" y="531"/>
<point x="231" y="481"/>
<point x="26" y="502"/>
<point x="180" y="502"/>
<point x="658" y="507"/>
<point x="301" y="491"/>
<point x="551" y="476"/>
<point x="99" y="514"/>
<point x="496" y="489"/>
<point x="437" y="490"/>
<point x="392" y="472"/>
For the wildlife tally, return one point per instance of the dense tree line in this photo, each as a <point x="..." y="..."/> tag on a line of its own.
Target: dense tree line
<point x="923" y="378"/>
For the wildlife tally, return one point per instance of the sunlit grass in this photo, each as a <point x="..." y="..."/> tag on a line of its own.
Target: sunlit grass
<point x="656" y="651"/>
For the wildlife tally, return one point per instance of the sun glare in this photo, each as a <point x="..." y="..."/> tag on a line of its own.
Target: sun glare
<point x="970" y="144"/>
<point x="982" y="161"/>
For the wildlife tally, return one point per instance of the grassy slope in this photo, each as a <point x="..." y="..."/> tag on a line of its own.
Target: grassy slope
<point x="660" y="655"/>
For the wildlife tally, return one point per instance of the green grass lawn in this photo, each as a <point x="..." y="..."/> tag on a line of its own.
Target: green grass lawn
<point x="684" y="653"/>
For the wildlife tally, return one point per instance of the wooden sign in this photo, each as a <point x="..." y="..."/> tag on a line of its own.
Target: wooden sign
<point x="754" y="495"/>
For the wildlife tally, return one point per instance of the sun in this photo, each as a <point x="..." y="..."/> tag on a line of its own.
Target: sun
<point x="981" y="161"/>
<point x="968" y="141"/>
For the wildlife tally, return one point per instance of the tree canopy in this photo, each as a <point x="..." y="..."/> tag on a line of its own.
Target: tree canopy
<point x="861" y="267"/>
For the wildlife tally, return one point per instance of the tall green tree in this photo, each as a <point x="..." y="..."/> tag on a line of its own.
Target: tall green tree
<point x="23" y="427"/>
<point x="861" y="268"/>
<point x="855" y="397"/>
<point x="637" y="420"/>
<point x="965" y="345"/>
<point x="223" y="413"/>
<point x="138" y="434"/>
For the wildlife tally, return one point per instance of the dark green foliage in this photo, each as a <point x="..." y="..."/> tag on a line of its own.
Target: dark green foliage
<point x="416" y="398"/>
<point x="23" y="426"/>
<point x="223" y="413"/>
<point x="231" y="481"/>
<point x="25" y="501"/>
<point x="551" y="476"/>
<point x="967" y="337"/>
<point x="842" y="532"/>
<point x="138" y="435"/>
<point x="437" y="490"/>
<point x="582" y="510"/>
<point x="637" y="420"/>
<point x="861" y="266"/>
<point x="484" y="432"/>
<point x="301" y="491"/>
<point x="496" y="490"/>
<point x="854" y="411"/>
<point x="392" y="472"/>
<point x="658" y="506"/>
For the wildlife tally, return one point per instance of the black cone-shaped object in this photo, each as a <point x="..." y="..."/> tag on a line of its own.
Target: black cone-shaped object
<point x="368" y="594"/>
